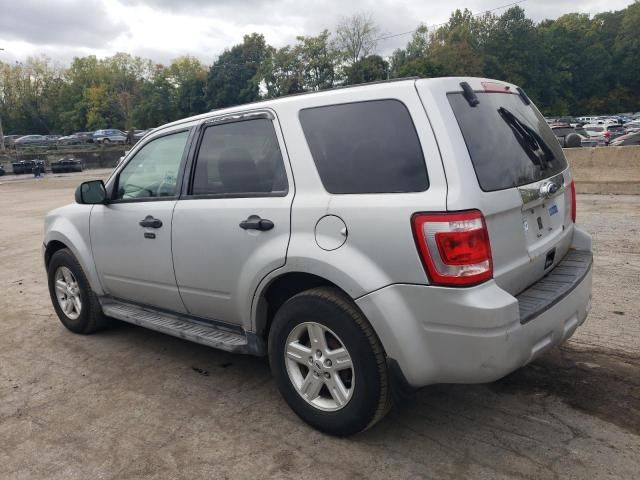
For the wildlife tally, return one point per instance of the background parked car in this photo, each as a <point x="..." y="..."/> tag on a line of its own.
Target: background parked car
<point x="87" y="137"/>
<point x="632" y="125"/>
<point x="588" y="141"/>
<point x="66" y="165"/>
<point x="614" y="131"/>
<point x="70" y="140"/>
<point x="107" y="136"/>
<point x="628" y="139"/>
<point x="10" y="140"/>
<point x="606" y="132"/>
<point x="567" y="136"/>
<point x="32" y="141"/>
<point x="27" y="166"/>
<point x="2" y="172"/>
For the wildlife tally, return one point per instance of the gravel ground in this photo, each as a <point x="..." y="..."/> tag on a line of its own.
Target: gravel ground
<point x="131" y="403"/>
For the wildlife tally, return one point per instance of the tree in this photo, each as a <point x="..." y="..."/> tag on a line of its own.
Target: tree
<point x="159" y="105"/>
<point x="454" y="47"/>
<point x="627" y="50"/>
<point x="512" y="50"/>
<point x="282" y="72"/>
<point x="233" y="79"/>
<point x="575" y="64"/>
<point x="367" y="69"/>
<point x="189" y="78"/>
<point x="357" y="37"/>
<point x="415" y="59"/>
<point x="319" y="60"/>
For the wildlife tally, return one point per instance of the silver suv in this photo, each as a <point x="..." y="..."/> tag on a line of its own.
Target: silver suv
<point x="368" y="240"/>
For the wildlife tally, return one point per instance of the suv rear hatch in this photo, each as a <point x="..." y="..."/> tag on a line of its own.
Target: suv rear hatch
<point x="501" y="158"/>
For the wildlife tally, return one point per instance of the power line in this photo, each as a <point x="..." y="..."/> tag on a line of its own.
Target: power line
<point x="386" y="37"/>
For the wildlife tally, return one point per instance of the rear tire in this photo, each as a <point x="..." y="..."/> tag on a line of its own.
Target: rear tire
<point x="76" y="305"/>
<point x="352" y="366"/>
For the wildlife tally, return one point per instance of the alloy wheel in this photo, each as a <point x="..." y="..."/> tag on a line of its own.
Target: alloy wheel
<point x="319" y="366"/>
<point x="68" y="293"/>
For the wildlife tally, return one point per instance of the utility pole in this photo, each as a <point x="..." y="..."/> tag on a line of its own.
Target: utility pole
<point x="2" y="149"/>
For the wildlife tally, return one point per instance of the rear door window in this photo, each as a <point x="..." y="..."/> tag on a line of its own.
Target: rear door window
<point x="509" y="142"/>
<point x="365" y="147"/>
<point x="240" y="159"/>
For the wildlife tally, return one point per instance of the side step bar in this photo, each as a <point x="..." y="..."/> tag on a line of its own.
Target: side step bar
<point x="179" y="326"/>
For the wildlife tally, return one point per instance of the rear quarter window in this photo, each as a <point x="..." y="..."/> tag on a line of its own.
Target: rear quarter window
<point x="365" y="147"/>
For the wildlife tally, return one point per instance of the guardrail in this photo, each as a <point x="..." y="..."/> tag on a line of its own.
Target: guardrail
<point x="606" y="170"/>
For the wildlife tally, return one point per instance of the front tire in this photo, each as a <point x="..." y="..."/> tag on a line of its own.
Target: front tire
<point x="76" y="305"/>
<point x="328" y="362"/>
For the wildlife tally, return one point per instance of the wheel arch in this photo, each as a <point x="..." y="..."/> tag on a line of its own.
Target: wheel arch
<point x="55" y="240"/>
<point x="52" y="247"/>
<point x="278" y="290"/>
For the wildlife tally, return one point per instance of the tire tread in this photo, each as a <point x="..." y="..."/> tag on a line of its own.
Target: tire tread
<point x="96" y="320"/>
<point x="346" y="304"/>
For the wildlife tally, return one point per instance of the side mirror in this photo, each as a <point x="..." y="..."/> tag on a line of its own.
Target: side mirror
<point x="91" y="193"/>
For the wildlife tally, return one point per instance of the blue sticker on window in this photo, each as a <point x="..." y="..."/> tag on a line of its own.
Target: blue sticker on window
<point x="553" y="210"/>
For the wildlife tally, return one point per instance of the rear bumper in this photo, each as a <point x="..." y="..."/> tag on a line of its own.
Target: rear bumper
<point x="474" y="335"/>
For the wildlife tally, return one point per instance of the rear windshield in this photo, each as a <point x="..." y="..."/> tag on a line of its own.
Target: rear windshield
<point x="510" y="143"/>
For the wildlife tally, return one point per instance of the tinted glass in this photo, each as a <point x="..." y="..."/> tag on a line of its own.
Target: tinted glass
<point x="153" y="171"/>
<point x="509" y="143"/>
<point x="366" y="147"/>
<point x="562" y="132"/>
<point x="240" y="158"/>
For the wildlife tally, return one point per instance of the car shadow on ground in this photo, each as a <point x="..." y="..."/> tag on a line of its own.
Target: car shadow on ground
<point x="603" y="384"/>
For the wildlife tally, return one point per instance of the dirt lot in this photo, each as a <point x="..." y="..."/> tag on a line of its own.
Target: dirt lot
<point x="130" y="403"/>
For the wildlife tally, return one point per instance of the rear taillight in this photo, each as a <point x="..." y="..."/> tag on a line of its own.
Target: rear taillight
<point x="454" y="247"/>
<point x="572" y="186"/>
<point x="607" y="134"/>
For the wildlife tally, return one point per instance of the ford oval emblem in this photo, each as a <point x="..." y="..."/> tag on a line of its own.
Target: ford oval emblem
<point x="548" y="189"/>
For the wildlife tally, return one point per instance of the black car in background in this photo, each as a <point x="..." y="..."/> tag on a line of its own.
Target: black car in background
<point x="567" y="136"/>
<point x="66" y="165"/>
<point x="77" y="138"/>
<point x="2" y="172"/>
<point x="27" y="166"/>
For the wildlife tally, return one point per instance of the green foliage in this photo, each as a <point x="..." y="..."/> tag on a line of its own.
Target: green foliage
<point x="233" y="78"/>
<point x="572" y="65"/>
<point x="367" y="69"/>
<point x="575" y="64"/>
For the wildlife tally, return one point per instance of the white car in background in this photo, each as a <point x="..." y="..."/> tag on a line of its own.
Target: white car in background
<point x="606" y="132"/>
<point x="105" y="137"/>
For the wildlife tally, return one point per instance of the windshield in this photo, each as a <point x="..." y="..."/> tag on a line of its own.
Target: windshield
<point x="509" y="142"/>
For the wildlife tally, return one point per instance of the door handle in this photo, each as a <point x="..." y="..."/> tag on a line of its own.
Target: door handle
<point x="150" y="222"/>
<point x="254" y="222"/>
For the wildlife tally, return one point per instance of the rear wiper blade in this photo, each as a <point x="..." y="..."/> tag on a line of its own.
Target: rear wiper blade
<point x="535" y="147"/>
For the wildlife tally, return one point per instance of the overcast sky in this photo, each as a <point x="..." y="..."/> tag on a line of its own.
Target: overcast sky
<point x="165" y="29"/>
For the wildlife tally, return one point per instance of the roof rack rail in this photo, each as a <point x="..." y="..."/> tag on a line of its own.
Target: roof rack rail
<point x="338" y="87"/>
